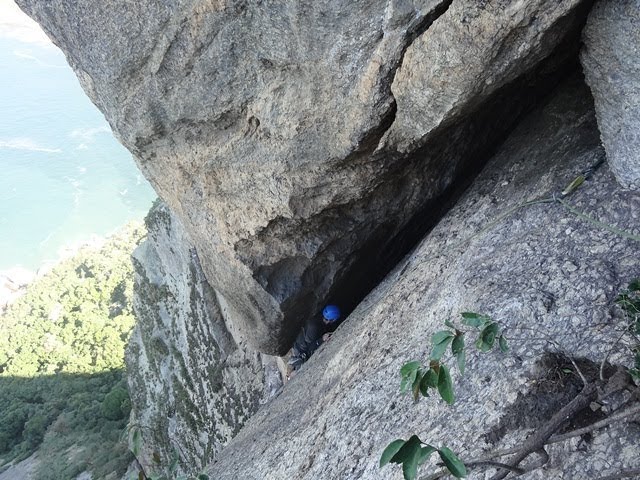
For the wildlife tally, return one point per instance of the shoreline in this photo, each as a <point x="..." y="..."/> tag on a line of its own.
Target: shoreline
<point x="15" y="280"/>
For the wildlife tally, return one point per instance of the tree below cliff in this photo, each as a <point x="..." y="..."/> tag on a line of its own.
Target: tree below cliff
<point x="62" y="386"/>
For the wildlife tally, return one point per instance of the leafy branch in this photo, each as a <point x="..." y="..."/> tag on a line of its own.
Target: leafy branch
<point x="629" y="302"/>
<point x="419" y="379"/>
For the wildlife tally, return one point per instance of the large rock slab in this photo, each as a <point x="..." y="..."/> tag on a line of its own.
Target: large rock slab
<point x="262" y="125"/>
<point x="191" y="386"/>
<point x="541" y="271"/>
<point x="611" y="62"/>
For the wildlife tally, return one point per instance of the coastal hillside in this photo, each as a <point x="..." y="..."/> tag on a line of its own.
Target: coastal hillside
<point x="64" y="401"/>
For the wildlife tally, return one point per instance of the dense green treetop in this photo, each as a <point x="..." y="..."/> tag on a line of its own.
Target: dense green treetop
<point x="77" y="317"/>
<point x="62" y="382"/>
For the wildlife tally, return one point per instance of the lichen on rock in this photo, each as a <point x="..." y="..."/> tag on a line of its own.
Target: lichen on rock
<point x="192" y="387"/>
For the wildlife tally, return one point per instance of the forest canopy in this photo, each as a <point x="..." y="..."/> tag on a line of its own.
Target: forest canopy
<point x="62" y="386"/>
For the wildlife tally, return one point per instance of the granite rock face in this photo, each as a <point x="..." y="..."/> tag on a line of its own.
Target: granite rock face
<point x="297" y="141"/>
<point x="191" y="386"/>
<point x="541" y="271"/>
<point x="610" y="59"/>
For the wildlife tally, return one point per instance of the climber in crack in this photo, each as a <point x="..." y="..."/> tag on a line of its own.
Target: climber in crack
<point x="313" y="334"/>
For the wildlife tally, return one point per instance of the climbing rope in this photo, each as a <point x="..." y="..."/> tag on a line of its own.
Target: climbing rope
<point x="559" y="199"/>
<point x="573" y="186"/>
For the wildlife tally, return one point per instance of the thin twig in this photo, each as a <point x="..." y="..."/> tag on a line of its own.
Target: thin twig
<point x="539" y="438"/>
<point x="575" y="365"/>
<point x="596" y="426"/>
<point x="493" y="463"/>
<point x="480" y="461"/>
<point x="597" y="223"/>
<point x="622" y="474"/>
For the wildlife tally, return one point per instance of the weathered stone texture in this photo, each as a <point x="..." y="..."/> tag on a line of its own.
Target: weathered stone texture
<point x="191" y="387"/>
<point x="260" y="124"/>
<point x="541" y="271"/>
<point x="611" y="61"/>
<point x="473" y="50"/>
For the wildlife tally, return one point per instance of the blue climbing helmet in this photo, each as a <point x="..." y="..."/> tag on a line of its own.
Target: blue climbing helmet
<point x="331" y="313"/>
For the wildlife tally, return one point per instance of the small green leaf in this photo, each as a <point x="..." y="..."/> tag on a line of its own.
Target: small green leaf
<point x="415" y="388"/>
<point x="441" y="336"/>
<point x="408" y="381"/>
<point x="430" y="379"/>
<point x="202" y="476"/>
<point x="457" y="348"/>
<point x="410" y="465"/>
<point x="141" y="475"/>
<point x="445" y="386"/>
<point x="487" y="337"/>
<point x="449" y="324"/>
<point x="407" y="449"/>
<point x="136" y="443"/>
<point x="452" y="462"/>
<point x="475" y="320"/>
<point x="458" y="343"/>
<point x="567" y="370"/>
<point x="389" y="452"/>
<point x="461" y="357"/>
<point x="409" y="367"/>
<point x="424" y="387"/>
<point x="440" y="344"/>
<point x="504" y="348"/>
<point x="425" y="453"/>
<point x="156" y="457"/>
<point x="409" y="455"/>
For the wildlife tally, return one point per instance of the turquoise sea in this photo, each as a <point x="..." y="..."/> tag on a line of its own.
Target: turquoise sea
<point x="63" y="176"/>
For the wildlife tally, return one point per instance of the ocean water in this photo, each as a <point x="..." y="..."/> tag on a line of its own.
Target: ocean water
<point x="63" y="176"/>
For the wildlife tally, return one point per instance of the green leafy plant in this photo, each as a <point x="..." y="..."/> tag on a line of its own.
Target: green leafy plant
<point x="421" y="379"/>
<point x="629" y="302"/>
<point x="414" y="452"/>
<point x="418" y="378"/>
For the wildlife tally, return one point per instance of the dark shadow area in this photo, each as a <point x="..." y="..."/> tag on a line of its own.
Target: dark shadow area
<point x="76" y="422"/>
<point x="474" y="141"/>
<point x="555" y="384"/>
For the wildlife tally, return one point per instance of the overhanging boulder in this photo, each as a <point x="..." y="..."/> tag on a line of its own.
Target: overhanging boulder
<point x="610" y="58"/>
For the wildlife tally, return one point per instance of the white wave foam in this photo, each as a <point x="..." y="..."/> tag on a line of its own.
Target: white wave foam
<point x="26" y="54"/>
<point x="23" y="143"/>
<point x="87" y="135"/>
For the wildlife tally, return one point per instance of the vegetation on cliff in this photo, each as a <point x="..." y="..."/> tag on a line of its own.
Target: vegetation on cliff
<point x="62" y="387"/>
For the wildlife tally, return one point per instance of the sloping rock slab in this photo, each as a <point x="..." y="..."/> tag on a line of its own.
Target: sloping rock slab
<point x="611" y="61"/>
<point x="541" y="271"/>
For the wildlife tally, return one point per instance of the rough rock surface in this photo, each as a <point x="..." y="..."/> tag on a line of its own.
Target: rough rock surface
<point x="541" y="271"/>
<point x="191" y="387"/>
<point x="262" y="124"/>
<point x="610" y="58"/>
